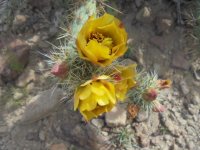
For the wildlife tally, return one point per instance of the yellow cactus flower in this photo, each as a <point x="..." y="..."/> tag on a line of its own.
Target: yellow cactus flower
<point x="95" y="97"/>
<point x="102" y="40"/>
<point x="124" y="80"/>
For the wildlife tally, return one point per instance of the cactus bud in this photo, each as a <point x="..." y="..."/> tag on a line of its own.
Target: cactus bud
<point x="59" y="70"/>
<point x="150" y="94"/>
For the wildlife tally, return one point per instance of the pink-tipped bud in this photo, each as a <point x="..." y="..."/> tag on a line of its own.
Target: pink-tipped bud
<point x="117" y="77"/>
<point x="159" y="108"/>
<point x="59" y="70"/>
<point x="150" y="95"/>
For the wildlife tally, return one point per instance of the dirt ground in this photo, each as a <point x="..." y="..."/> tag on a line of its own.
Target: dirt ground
<point x="162" y="39"/>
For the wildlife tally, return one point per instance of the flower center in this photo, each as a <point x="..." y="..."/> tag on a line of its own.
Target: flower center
<point x="100" y="38"/>
<point x="97" y="36"/>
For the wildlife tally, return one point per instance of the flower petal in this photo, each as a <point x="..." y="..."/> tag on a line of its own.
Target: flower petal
<point x="97" y="88"/>
<point x="85" y="92"/>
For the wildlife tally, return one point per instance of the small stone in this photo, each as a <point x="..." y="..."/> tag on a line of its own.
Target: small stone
<point x="26" y="77"/>
<point x="60" y="146"/>
<point x="141" y="128"/>
<point x="193" y="109"/>
<point x="179" y="61"/>
<point x="184" y="87"/>
<point x="18" y="95"/>
<point x="144" y="15"/>
<point x="156" y="140"/>
<point x="117" y="116"/>
<point x="142" y="116"/>
<point x="104" y="133"/>
<point x="42" y="135"/>
<point x="195" y="98"/>
<point x="144" y="140"/>
<point x="163" y="24"/>
<point x="99" y="123"/>
<point x="19" y="19"/>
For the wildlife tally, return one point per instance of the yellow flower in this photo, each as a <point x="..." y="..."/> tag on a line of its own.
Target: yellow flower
<point x="95" y="97"/>
<point x="124" y="80"/>
<point x="102" y="40"/>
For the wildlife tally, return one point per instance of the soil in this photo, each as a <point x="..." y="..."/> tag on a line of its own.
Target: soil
<point x="159" y="42"/>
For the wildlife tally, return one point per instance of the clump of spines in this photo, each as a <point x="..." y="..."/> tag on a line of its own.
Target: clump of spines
<point x="144" y="81"/>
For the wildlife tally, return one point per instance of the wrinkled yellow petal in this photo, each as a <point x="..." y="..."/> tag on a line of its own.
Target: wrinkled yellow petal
<point x="112" y="31"/>
<point x="102" y="100"/>
<point x="88" y="104"/>
<point x="121" y="28"/>
<point x="110" y="91"/>
<point x="127" y="75"/>
<point x="119" y="50"/>
<point x="98" y="50"/>
<point x="85" y="92"/>
<point x="97" y="88"/>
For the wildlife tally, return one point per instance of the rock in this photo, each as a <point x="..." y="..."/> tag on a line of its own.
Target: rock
<point x="179" y="61"/>
<point x="18" y="95"/>
<point x="25" y="78"/>
<point x="19" y="19"/>
<point x="196" y="69"/>
<point x="42" y="105"/>
<point x="139" y="3"/>
<point x="144" y="140"/>
<point x="156" y="140"/>
<point x="14" y="62"/>
<point x="141" y="128"/>
<point x="184" y="87"/>
<point x="193" y="109"/>
<point x="142" y="116"/>
<point x="99" y="123"/>
<point x="195" y="98"/>
<point x="144" y="15"/>
<point x="158" y="42"/>
<point x="59" y="146"/>
<point x="42" y="135"/>
<point x="180" y="141"/>
<point x="117" y="116"/>
<point x="163" y="24"/>
<point x="80" y="134"/>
